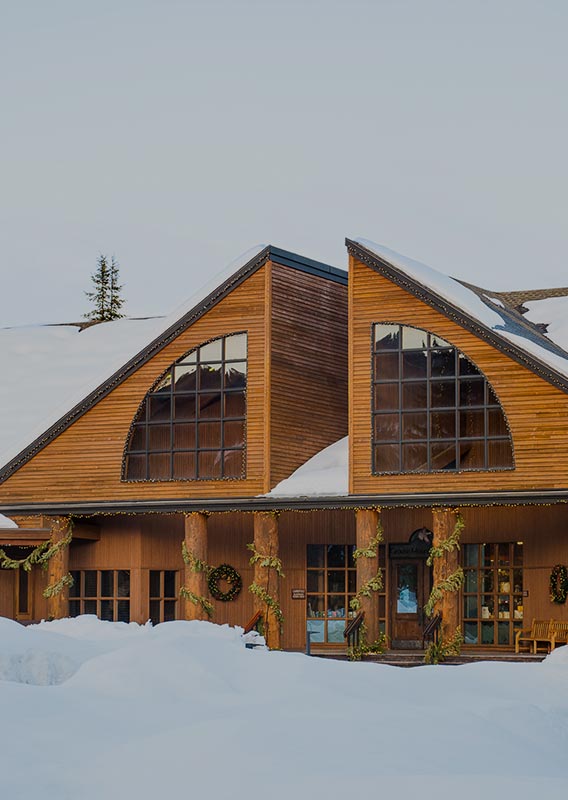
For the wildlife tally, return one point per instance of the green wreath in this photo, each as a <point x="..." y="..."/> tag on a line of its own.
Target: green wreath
<point x="229" y="574"/>
<point x="559" y="584"/>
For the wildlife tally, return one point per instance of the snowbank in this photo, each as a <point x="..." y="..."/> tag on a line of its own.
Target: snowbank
<point x="184" y="709"/>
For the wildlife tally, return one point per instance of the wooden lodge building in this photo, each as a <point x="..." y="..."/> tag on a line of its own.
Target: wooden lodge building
<point x="301" y="408"/>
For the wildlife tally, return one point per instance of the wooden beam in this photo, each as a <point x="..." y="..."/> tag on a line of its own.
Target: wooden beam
<point x="196" y="582"/>
<point x="367" y="521"/>
<point x="443" y="523"/>
<point x="58" y="566"/>
<point x="267" y="544"/>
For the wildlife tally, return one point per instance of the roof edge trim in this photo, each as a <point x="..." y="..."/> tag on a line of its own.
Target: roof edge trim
<point x="428" y="296"/>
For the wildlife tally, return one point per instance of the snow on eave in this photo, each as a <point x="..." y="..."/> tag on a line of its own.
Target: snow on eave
<point x="494" y="319"/>
<point x="6" y="522"/>
<point x="153" y="333"/>
<point x="324" y="475"/>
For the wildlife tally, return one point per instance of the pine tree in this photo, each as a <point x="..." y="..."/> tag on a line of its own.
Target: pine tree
<point x="105" y="296"/>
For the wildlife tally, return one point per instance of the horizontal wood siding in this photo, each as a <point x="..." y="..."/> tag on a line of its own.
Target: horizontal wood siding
<point x="308" y="367"/>
<point x="536" y="410"/>
<point x="85" y="461"/>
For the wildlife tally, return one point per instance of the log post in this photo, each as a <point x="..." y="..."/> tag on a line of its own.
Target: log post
<point x="367" y="521"/>
<point x="443" y="523"/>
<point x="57" y="568"/>
<point x="196" y="543"/>
<point x="266" y="543"/>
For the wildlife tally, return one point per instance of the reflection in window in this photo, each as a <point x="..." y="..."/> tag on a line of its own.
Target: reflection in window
<point x="192" y="424"/>
<point x="407" y="588"/>
<point x="105" y="593"/>
<point x="492" y="592"/>
<point x="432" y="408"/>
<point x="331" y="583"/>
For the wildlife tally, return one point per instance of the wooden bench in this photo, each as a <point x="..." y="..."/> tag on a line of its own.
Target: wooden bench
<point x="550" y="632"/>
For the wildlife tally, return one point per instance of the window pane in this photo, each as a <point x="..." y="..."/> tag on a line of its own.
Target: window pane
<point x="169" y="610"/>
<point x="387" y="458"/>
<point x="315" y="605"/>
<point x="123" y="583"/>
<point x="336" y="555"/>
<point x="470" y="607"/>
<point x="443" y="363"/>
<point x="107" y="610"/>
<point x="185" y="378"/>
<point x="407" y="589"/>
<point x="155" y="589"/>
<point x="75" y="590"/>
<point x="443" y="424"/>
<point x="209" y="435"/>
<point x="235" y="376"/>
<point x="159" y="466"/>
<point x="210" y="464"/>
<point x="123" y="611"/>
<point x="233" y="463"/>
<point x="466" y="367"/>
<point x="107" y="583"/>
<point x="316" y="631"/>
<point x="74" y="608"/>
<point x="90" y="607"/>
<point x="138" y="441"/>
<point x="211" y="351"/>
<point x="443" y="455"/>
<point x="472" y="423"/>
<point x="155" y="611"/>
<point x="414" y="457"/>
<point x="472" y="392"/>
<point x="497" y="425"/>
<point x="470" y="633"/>
<point x="160" y="407"/>
<point x="415" y="364"/>
<point x="184" y="465"/>
<point x="336" y="605"/>
<point x="387" y="427"/>
<point x="499" y="453"/>
<point x="233" y="434"/>
<point x="169" y="583"/>
<point x="184" y="406"/>
<point x="315" y="581"/>
<point x="414" y="395"/>
<point x="503" y="633"/>
<point x="159" y="437"/>
<point x="236" y="346"/>
<point x="386" y="366"/>
<point x="90" y="583"/>
<point x="443" y="394"/>
<point x="235" y="404"/>
<point x="413" y="338"/>
<point x="335" y="630"/>
<point x="136" y="467"/>
<point x="387" y="337"/>
<point x="415" y="426"/>
<point x="472" y="455"/>
<point x="316" y="555"/>
<point x="336" y="580"/>
<point x="470" y="555"/>
<point x="209" y="377"/>
<point x="386" y="396"/>
<point x="487" y="633"/>
<point x="184" y="436"/>
<point x="210" y="406"/>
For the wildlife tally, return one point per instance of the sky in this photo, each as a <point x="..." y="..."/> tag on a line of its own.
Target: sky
<point x="175" y="135"/>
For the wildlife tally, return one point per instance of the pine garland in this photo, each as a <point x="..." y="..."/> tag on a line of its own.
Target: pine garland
<point x="376" y="583"/>
<point x="41" y="556"/>
<point x="449" y="544"/>
<point x="269" y="562"/>
<point x="438" y="651"/>
<point x="357" y="652"/>
<point x="452" y="583"/>
<point x="196" y="565"/>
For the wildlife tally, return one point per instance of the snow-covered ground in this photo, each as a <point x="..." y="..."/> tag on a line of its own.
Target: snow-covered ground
<point x="92" y="709"/>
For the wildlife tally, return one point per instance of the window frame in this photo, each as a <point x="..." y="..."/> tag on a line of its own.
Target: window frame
<point x="143" y="422"/>
<point x="490" y="402"/>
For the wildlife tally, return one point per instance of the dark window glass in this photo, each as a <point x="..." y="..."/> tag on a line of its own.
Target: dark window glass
<point x="163" y="599"/>
<point x="316" y="555"/>
<point x="123" y="583"/>
<point x="154" y="583"/>
<point x="432" y="408"/>
<point x="192" y="424"/>
<point x="107" y="581"/>
<point x="169" y="583"/>
<point x="90" y="583"/>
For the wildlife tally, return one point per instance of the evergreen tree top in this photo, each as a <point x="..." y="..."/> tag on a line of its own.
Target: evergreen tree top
<point x="106" y="295"/>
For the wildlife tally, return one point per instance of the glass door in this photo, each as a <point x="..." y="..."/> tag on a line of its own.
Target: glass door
<point x="411" y="577"/>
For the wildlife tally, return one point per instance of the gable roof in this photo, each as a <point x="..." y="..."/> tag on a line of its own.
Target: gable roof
<point x="45" y="363"/>
<point x="487" y="314"/>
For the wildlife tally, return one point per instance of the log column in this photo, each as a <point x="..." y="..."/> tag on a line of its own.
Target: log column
<point x="367" y="521"/>
<point x="267" y="544"/>
<point x="196" y="543"/>
<point x="57" y="568"/>
<point x="443" y="524"/>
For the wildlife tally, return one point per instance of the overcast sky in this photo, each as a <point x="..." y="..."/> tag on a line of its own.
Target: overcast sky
<point x="175" y="135"/>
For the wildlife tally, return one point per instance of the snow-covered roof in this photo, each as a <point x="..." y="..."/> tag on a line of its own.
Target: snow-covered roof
<point x="326" y="474"/>
<point x="552" y="312"/>
<point x="487" y="309"/>
<point x="48" y="369"/>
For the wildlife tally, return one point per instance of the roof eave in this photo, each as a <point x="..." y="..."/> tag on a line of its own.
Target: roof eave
<point x="431" y="298"/>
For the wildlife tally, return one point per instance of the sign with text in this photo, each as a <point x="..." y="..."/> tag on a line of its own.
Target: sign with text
<point x="298" y="594"/>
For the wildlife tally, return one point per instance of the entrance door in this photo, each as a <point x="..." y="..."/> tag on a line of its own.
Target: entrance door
<point x="410" y="586"/>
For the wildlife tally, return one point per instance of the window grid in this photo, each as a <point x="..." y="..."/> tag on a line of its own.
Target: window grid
<point x="163" y="595"/>
<point x="492" y="593"/>
<point x="431" y="385"/>
<point x="104" y="593"/>
<point x="331" y="585"/>
<point x="194" y="433"/>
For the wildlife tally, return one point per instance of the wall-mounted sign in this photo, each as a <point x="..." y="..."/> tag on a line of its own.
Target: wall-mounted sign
<point x="298" y="594"/>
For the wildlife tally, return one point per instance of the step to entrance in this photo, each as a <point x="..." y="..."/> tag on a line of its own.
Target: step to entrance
<point x="415" y="658"/>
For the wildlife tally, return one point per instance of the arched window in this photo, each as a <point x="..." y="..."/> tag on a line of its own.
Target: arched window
<point x="191" y="425"/>
<point x="433" y="411"/>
